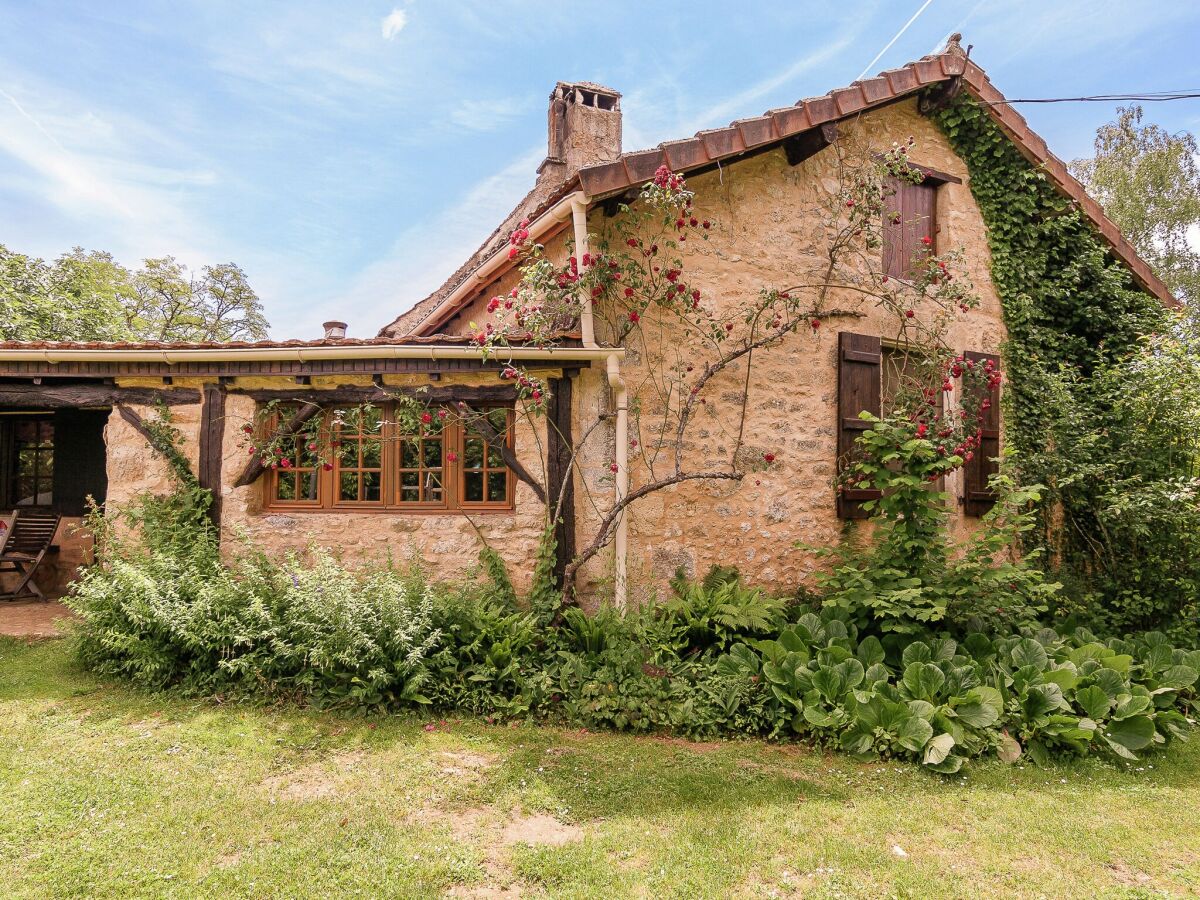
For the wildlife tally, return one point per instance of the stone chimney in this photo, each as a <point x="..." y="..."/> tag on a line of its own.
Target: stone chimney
<point x="334" y="330"/>
<point x="583" y="128"/>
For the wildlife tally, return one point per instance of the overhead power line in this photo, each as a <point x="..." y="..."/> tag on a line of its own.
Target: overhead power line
<point x="1149" y="97"/>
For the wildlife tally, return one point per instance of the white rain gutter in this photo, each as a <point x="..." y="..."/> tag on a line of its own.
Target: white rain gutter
<point x="302" y="354"/>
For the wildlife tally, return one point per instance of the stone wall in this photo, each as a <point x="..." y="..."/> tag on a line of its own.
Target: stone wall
<point x="762" y="239"/>
<point x="765" y="235"/>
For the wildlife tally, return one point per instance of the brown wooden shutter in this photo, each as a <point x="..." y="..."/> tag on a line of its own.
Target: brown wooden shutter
<point x="916" y="204"/>
<point x="859" y="374"/>
<point x="977" y="498"/>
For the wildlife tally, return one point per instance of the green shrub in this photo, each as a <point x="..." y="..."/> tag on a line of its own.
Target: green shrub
<point x="718" y="658"/>
<point x="904" y="575"/>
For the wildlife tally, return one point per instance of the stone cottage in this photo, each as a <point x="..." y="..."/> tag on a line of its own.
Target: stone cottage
<point x="72" y="416"/>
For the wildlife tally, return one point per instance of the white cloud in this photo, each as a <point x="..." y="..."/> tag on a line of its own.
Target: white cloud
<point x="393" y="23"/>
<point x="87" y="166"/>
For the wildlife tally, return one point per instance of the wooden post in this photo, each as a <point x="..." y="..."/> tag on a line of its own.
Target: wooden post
<point x="212" y="436"/>
<point x="559" y="475"/>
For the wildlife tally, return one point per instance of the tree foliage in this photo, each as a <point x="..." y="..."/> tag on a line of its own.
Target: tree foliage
<point x="1148" y="181"/>
<point x="88" y="296"/>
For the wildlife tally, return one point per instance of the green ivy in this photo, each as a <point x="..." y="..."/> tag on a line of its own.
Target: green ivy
<point x="1066" y="300"/>
<point x="1074" y="316"/>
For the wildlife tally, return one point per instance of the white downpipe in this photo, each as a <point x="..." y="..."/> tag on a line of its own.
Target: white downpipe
<point x="616" y="383"/>
<point x="621" y="548"/>
<point x="579" y="220"/>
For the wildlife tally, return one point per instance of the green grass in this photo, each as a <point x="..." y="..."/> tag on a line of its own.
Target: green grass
<point x="108" y="792"/>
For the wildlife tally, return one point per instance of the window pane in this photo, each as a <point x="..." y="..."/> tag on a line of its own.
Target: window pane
<point x="371" y="454"/>
<point x="433" y="453"/>
<point x="497" y="486"/>
<point x="499" y="419"/>
<point x="285" y="487"/>
<point x="410" y="479"/>
<point x="494" y="459"/>
<point x="473" y="487"/>
<point x="433" y="486"/>
<point x="371" y="486"/>
<point x="306" y="454"/>
<point x="348" y="486"/>
<point x="410" y="455"/>
<point x="308" y="485"/>
<point x="410" y="494"/>
<point x="472" y="454"/>
<point x="26" y="458"/>
<point x="26" y="493"/>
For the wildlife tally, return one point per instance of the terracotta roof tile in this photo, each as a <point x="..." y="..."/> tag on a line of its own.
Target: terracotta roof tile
<point x="876" y="89"/>
<point x="407" y="340"/>
<point x="849" y="100"/>
<point x="901" y="80"/>
<point x="685" y="154"/>
<point x="756" y="131"/>
<point x="790" y="120"/>
<point x="929" y="70"/>
<point x="820" y="109"/>
<point x="719" y="142"/>
<point x="642" y="165"/>
<point x="604" y="178"/>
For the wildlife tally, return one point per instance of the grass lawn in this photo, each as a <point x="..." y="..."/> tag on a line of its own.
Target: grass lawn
<point x="107" y="792"/>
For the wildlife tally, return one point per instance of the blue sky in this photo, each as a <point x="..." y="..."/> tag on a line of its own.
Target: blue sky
<point x="350" y="155"/>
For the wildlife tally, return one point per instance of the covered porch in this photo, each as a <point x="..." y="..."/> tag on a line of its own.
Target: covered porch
<point x="52" y="459"/>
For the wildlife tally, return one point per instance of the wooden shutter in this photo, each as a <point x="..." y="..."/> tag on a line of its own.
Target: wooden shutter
<point x="79" y="459"/>
<point x="916" y="205"/>
<point x="977" y="498"/>
<point x="859" y="373"/>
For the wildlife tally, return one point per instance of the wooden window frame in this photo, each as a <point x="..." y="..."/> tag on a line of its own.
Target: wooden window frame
<point x="10" y="461"/>
<point x="358" y="437"/>
<point x="486" y="469"/>
<point x="454" y="433"/>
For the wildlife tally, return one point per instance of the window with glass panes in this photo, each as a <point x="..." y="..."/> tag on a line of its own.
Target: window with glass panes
<point x="375" y="462"/>
<point x="485" y="478"/>
<point x="27" y="461"/>
<point x="358" y="455"/>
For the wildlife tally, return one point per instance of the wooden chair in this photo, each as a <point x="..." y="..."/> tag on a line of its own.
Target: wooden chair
<point x="29" y="540"/>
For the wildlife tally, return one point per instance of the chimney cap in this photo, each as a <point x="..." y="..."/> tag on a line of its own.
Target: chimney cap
<point x="334" y="329"/>
<point x="591" y="93"/>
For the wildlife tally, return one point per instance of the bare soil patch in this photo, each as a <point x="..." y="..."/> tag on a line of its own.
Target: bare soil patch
<point x="540" y="829"/>
<point x="464" y="762"/>
<point x="316" y="781"/>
